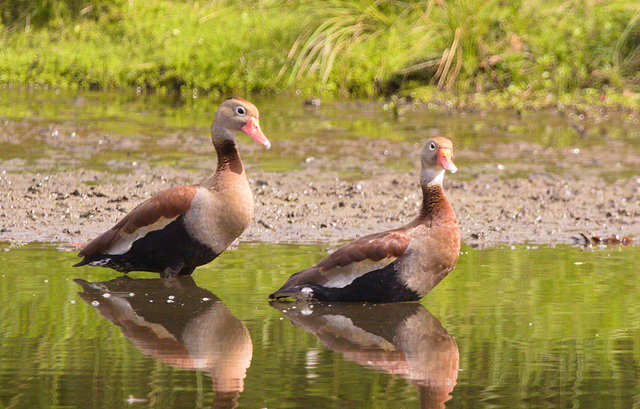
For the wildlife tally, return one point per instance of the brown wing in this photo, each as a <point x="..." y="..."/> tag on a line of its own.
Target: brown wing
<point x="155" y="212"/>
<point x="353" y="260"/>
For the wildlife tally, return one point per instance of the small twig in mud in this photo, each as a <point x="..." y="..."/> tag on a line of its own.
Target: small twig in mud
<point x="584" y="240"/>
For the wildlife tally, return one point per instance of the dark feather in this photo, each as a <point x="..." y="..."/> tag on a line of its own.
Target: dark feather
<point x="169" y="204"/>
<point x="368" y="251"/>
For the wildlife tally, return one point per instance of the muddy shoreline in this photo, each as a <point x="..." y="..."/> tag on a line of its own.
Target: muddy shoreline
<point x="523" y="202"/>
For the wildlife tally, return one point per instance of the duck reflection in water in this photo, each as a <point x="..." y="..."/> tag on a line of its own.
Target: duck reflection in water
<point x="401" y="339"/>
<point x="178" y="323"/>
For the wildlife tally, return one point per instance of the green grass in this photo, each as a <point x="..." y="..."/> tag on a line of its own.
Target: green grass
<point x="538" y="51"/>
<point x="162" y="45"/>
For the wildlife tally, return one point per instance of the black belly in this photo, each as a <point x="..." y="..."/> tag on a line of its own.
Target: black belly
<point x="170" y="251"/>
<point x="378" y="286"/>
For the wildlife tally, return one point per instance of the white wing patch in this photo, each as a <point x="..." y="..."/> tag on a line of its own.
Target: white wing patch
<point x="100" y="263"/>
<point x="124" y="244"/>
<point x="340" y="277"/>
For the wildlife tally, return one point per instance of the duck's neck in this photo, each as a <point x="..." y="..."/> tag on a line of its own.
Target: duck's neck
<point x="431" y="176"/>
<point x="433" y="201"/>
<point x="229" y="163"/>
<point x="228" y="157"/>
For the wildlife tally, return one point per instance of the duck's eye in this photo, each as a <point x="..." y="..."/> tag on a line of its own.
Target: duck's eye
<point x="240" y="110"/>
<point x="432" y="146"/>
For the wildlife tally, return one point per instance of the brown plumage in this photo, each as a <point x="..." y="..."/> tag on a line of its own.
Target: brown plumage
<point x="184" y="227"/>
<point x="402" y="339"/>
<point x="195" y="331"/>
<point x="167" y="204"/>
<point x="403" y="264"/>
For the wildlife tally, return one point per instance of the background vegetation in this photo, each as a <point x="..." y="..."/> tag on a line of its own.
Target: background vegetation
<point x="340" y="47"/>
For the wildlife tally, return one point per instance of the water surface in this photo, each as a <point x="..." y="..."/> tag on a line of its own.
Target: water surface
<point x="168" y="131"/>
<point x="520" y="327"/>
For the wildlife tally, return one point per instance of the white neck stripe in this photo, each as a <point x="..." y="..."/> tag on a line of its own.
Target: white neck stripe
<point x="432" y="177"/>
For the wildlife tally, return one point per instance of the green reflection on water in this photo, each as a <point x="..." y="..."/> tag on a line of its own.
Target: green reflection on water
<point x="164" y="127"/>
<point x="535" y="327"/>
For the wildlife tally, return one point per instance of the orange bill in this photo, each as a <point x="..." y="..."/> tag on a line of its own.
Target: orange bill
<point x="445" y="159"/>
<point x="252" y="128"/>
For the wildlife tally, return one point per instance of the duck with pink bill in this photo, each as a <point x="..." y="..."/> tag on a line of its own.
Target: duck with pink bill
<point x="402" y="264"/>
<point x="184" y="227"/>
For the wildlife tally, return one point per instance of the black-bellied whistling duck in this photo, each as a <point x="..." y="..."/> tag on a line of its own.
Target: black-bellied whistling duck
<point x="403" y="264"/>
<point x="184" y="227"/>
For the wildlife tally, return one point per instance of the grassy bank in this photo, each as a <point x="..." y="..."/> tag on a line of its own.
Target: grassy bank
<point x="510" y="52"/>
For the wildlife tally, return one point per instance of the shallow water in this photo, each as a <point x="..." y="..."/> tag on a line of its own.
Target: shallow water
<point x="166" y="131"/>
<point x="521" y="327"/>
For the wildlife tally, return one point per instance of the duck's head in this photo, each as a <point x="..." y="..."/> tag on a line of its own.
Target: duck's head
<point x="436" y="157"/>
<point x="237" y="115"/>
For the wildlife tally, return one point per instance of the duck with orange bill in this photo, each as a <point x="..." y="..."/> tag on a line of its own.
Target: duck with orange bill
<point x="402" y="264"/>
<point x="184" y="227"/>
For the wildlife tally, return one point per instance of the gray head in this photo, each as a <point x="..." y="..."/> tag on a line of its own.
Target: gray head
<point x="237" y="115"/>
<point x="436" y="157"/>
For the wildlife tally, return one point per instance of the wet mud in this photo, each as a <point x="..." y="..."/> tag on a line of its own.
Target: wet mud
<point x="540" y="195"/>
